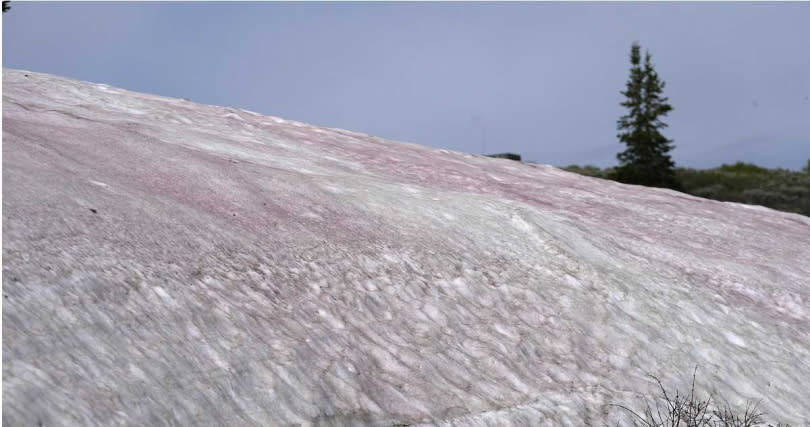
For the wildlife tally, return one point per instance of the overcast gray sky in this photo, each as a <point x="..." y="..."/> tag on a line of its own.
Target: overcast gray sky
<point x="539" y="79"/>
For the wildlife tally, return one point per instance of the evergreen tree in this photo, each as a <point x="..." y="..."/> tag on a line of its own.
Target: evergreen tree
<point x="645" y="161"/>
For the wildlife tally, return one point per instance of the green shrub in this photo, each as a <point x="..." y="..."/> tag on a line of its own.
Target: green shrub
<point x="740" y="182"/>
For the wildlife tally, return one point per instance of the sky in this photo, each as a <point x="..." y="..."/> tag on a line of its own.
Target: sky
<point x="539" y="79"/>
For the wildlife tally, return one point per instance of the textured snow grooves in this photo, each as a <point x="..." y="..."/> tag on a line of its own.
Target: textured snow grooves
<point x="170" y="263"/>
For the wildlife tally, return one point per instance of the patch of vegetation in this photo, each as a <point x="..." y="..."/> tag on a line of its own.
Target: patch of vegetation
<point x="590" y="170"/>
<point x="673" y="409"/>
<point x="779" y="189"/>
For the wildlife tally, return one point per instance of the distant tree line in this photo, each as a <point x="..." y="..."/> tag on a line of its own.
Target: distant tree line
<point x="780" y="189"/>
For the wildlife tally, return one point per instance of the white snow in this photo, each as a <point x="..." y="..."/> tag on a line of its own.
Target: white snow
<point x="250" y="270"/>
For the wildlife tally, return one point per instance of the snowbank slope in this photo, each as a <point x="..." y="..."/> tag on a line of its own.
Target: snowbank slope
<point x="170" y="263"/>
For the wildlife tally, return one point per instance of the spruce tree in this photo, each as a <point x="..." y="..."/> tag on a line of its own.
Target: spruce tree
<point x="645" y="161"/>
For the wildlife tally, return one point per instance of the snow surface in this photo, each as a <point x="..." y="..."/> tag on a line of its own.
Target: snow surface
<point x="171" y="263"/>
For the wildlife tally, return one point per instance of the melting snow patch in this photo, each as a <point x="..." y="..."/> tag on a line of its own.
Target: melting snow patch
<point x="312" y="215"/>
<point x="233" y="116"/>
<point x="735" y="339"/>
